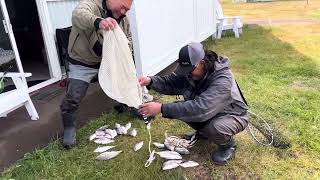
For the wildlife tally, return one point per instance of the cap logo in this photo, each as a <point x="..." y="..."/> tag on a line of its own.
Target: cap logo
<point x="185" y="63"/>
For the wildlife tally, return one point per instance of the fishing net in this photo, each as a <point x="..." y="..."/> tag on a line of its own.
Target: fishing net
<point x="264" y="134"/>
<point x="117" y="73"/>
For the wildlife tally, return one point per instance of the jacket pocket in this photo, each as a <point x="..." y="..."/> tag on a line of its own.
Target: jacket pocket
<point x="74" y="41"/>
<point x="81" y="48"/>
<point x="95" y="45"/>
<point x="97" y="49"/>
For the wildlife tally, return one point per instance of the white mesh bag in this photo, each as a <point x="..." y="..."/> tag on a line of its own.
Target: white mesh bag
<point x="117" y="73"/>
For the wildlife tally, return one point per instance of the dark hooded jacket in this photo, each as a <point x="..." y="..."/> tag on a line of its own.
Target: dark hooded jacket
<point x="215" y="95"/>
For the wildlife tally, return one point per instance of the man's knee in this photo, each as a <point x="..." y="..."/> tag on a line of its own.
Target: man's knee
<point x="218" y="132"/>
<point x="221" y="129"/>
<point x="75" y="93"/>
<point x="196" y="125"/>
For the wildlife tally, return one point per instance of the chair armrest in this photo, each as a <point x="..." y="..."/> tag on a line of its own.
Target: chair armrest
<point x="15" y="74"/>
<point x="232" y="17"/>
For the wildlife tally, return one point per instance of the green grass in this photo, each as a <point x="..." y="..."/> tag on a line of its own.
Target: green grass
<point x="278" y="69"/>
<point x="290" y="9"/>
<point x="79" y="163"/>
<point x="278" y="80"/>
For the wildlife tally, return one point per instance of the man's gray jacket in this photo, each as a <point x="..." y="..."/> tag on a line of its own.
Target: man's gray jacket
<point x="216" y="94"/>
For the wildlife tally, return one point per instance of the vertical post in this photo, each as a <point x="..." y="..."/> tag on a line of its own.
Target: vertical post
<point x="195" y="17"/>
<point x="48" y="37"/>
<point x="135" y="39"/>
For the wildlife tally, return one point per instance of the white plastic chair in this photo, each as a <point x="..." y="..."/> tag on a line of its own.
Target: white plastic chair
<point x="10" y="101"/>
<point x="227" y="22"/>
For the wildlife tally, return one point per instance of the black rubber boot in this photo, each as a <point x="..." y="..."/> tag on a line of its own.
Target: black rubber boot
<point x="224" y="153"/>
<point x="69" y="133"/>
<point x="120" y="108"/>
<point x="133" y="112"/>
<point x="70" y="104"/>
<point x="69" y="137"/>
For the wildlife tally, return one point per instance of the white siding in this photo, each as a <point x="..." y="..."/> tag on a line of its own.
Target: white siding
<point x="159" y="28"/>
<point x="60" y="12"/>
<point x="205" y="22"/>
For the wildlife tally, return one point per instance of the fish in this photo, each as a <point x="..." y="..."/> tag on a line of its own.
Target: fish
<point x="102" y="128"/>
<point x="100" y="137"/>
<point x="178" y="142"/>
<point x="117" y="125"/>
<point x="189" y="164"/>
<point x="168" y="146"/>
<point x="108" y="131"/>
<point x="169" y="155"/>
<point x="103" y="149"/>
<point x="118" y="131"/>
<point x="158" y="145"/>
<point x="108" y="136"/>
<point x="138" y="146"/>
<point x="128" y="126"/>
<point x="103" y="141"/>
<point x="108" y="155"/>
<point x="100" y="133"/>
<point x="114" y="133"/>
<point x="92" y="137"/>
<point x="122" y="130"/>
<point x="111" y="132"/>
<point x="133" y="133"/>
<point x="171" y="164"/>
<point x="181" y="150"/>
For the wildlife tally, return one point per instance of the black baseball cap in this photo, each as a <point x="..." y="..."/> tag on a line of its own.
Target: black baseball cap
<point x="189" y="56"/>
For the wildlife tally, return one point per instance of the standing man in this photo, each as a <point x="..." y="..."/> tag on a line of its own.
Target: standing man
<point x="213" y="104"/>
<point x="85" y="50"/>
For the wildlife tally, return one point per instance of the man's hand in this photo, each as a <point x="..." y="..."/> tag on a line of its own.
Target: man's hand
<point x="108" y="24"/>
<point x="144" y="81"/>
<point x="150" y="109"/>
